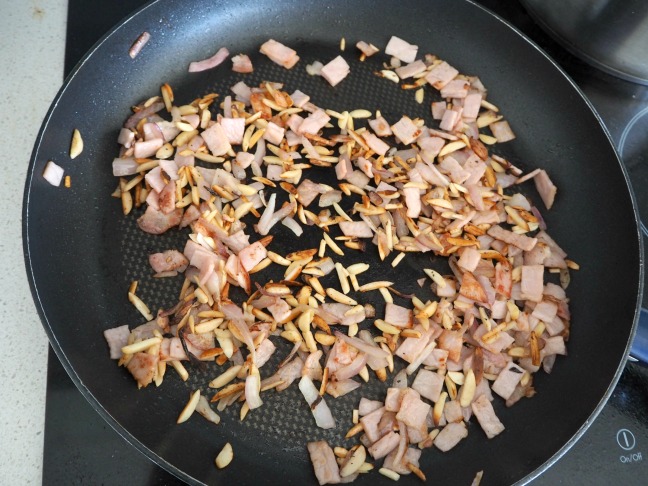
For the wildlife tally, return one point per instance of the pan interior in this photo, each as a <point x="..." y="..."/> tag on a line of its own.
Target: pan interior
<point x="82" y="253"/>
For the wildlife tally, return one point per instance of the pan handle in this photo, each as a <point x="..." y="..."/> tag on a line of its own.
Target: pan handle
<point x="639" y="350"/>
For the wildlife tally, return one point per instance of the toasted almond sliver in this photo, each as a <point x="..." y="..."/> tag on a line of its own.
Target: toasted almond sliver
<point x="344" y="281"/>
<point x="225" y="377"/>
<point x="375" y="285"/>
<point x="190" y="407"/>
<point x="225" y="456"/>
<point x="437" y="412"/>
<point x="324" y="339"/>
<point x="329" y="241"/>
<point x="388" y="473"/>
<point x="468" y="389"/>
<point x="386" y="327"/>
<point x="436" y="277"/>
<point x="338" y="296"/>
<point x="358" y="268"/>
<point x="356" y="460"/>
<point x="387" y="296"/>
<point x="140" y="306"/>
<point x="177" y="365"/>
<point x="140" y="345"/>
<point x="76" y="146"/>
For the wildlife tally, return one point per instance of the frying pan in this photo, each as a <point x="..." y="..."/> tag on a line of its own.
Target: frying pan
<point x="81" y="253"/>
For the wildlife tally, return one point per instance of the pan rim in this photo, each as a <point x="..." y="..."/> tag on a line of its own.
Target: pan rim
<point x="158" y="459"/>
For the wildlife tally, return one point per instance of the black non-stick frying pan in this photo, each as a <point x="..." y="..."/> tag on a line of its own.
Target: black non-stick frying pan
<point x="81" y="253"/>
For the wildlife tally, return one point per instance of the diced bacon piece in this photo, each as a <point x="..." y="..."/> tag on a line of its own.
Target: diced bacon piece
<point x="170" y="168"/>
<point x="147" y="148"/>
<point x="554" y="345"/>
<point x="299" y="98"/>
<point x="324" y="463"/>
<point x="523" y="242"/>
<point x="143" y="367"/>
<point x="242" y="92"/>
<point x="366" y="406"/>
<point x="483" y="410"/>
<point x="538" y="255"/>
<point x="451" y="341"/>
<point x="398" y="315"/>
<point x="280" y="310"/>
<point x="436" y="359"/>
<point x="531" y="283"/>
<point x="152" y="131"/>
<point x="264" y="351"/>
<point x="155" y="179"/>
<point x="289" y="372"/>
<point x="209" y="63"/>
<point x="471" y="106"/>
<point x="428" y="384"/>
<point x="359" y="229"/>
<point x="457" y="88"/>
<point x="156" y="222"/>
<point x="471" y="288"/>
<point x="374" y="143"/>
<point x="117" y="338"/>
<point x="411" y="69"/>
<point x="233" y="129"/>
<point x="449" y="120"/>
<point x="279" y="53"/>
<point x="405" y="130"/>
<point x="412" y="201"/>
<point x="384" y="445"/>
<point x="335" y="71"/>
<point x="274" y="133"/>
<point x="451" y="166"/>
<point x="380" y="126"/>
<point x="441" y="74"/>
<point x="507" y="380"/>
<point x="216" y="139"/>
<point x="252" y="255"/>
<point x="168" y="261"/>
<point x="167" y="198"/>
<point x="502" y="131"/>
<point x="411" y="456"/>
<point x="450" y="436"/>
<point x="452" y="411"/>
<point x="242" y="64"/>
<point x="307" y="191"/>
<point x="430" y="148"/>
<point x="413" y="411"/>
<point x="313" y="122"/>
<point x="469" y="259"/>
<point x="367" y="49"/>
<point x="438" y="109"/>
<point x="401" y="49"/>
<point x="411" y="347"/>
<point x="393" y="399"/>
<point x="370" y="423"/>
<point x="546" y="188"/>
<point x="545" y="311"/>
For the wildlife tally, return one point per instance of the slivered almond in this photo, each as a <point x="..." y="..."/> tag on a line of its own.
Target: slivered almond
<point x="375" y="285"/>
<point x="226" y="377"/>
<point x="76" y="146"/>
<point x="338" y="296"/>
<point x="225" y="456"/>
<point x="189" y="408"/>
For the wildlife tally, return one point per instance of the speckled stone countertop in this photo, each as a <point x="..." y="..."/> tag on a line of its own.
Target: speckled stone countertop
<point x="32" y="45"/>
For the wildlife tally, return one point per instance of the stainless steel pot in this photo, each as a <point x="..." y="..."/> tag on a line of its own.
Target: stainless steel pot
<point x="609" y="34"/>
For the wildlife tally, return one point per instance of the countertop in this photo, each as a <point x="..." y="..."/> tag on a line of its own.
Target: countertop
<point x="31" y="55"/>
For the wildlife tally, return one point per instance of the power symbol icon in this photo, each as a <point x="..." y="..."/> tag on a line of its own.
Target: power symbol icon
<point x="625" y="439"/>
